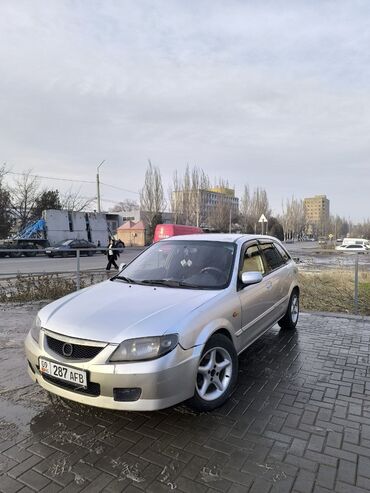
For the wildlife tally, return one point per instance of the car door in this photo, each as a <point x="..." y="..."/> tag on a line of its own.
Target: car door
<point x="83" y="244"/>
<point x="255" y="299"/>
<point x="75" y="244"/>
<point x="278" y="278"/>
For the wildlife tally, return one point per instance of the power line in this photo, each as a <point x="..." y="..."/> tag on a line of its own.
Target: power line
<point x="50" y="177"/>
<point x="75" y="181"/>
<point x="119" y="188"/>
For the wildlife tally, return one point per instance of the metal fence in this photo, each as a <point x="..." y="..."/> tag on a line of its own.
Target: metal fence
<point x="14" y="263"/>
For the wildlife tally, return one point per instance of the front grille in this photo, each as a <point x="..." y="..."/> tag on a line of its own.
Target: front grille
<point x="78" y="350"/>
<point x="92" y="388"/>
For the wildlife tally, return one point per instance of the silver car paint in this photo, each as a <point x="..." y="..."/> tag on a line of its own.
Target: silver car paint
<point x="115" y="311"/>
<point x="111" y="312"/>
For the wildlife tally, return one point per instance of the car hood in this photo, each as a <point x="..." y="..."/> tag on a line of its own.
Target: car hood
<point x="115" y="311"/>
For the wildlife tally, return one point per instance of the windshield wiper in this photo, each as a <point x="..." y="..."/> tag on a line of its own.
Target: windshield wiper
<point x="161" y="282"/>
<point x="172" y="283"/>
<point x="125" y="279"/>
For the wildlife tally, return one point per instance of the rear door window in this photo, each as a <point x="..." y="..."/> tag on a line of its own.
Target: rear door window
<point x="282" y="252"/>
<point x="273" y="258"/>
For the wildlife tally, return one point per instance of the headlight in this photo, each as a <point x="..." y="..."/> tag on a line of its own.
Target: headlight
<point x="145" y="348"/>
<point x="35" y="329"/>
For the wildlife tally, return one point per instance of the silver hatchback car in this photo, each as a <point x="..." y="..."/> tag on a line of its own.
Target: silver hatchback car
<point x="169" y="327"/>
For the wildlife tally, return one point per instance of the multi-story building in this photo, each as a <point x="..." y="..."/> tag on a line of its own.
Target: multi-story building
<point x="317" y="212"/>
<point x="198" y="207"/>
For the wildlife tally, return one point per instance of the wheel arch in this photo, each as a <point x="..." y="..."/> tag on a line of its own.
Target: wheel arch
<point x="220" y="326"/>
<point x="295" y="289"/>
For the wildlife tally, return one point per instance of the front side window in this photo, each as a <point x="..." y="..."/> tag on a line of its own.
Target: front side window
<point x="180" y="263"/>
<point x="252" y="261"/>
<point x="273" y="258"/>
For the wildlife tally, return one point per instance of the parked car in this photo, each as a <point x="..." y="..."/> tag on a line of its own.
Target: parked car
<point x="163" y="231"/>
<point x="356" y="241"/>
<point x="353" y="248"/>
<point x="68" y="247"/>
<point x="167" y="328"/>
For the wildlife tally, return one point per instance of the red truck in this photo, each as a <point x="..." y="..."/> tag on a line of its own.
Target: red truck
<point x="163" y="231"/>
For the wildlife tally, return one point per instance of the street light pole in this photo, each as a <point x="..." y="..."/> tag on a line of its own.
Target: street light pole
<point x="98" y="186"/>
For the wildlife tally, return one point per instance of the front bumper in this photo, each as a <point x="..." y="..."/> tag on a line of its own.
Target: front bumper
<point x="163" y="382"/>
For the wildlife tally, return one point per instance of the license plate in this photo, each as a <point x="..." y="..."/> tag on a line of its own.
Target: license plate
<point x="63" y="372"/>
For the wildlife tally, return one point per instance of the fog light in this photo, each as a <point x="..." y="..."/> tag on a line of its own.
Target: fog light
<point x="126" y="395"/>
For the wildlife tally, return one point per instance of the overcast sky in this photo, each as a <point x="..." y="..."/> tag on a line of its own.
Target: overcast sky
<point x="266" y="93"/>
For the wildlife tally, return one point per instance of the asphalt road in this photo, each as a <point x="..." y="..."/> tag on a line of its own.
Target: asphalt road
<point x="10" y="267"/>
<point x="309" y="255"/>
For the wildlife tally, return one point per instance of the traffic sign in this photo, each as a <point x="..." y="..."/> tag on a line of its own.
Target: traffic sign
<point x="262" y="219"/>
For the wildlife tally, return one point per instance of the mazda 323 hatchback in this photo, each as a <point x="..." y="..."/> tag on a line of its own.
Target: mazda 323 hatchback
<point x="169" y="327"/>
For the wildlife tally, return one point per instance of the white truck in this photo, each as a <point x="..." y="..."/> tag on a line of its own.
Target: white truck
<point x="54" y="227"/>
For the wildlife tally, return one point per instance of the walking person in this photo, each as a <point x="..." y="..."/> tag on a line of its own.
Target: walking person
<point x="112" y="255"/>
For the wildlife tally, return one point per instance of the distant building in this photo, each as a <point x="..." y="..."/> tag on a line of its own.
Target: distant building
<point x="317" y="212"/>
<point x="116" y="219"/>
<point x="132" y="233"/>
<point x="204" y="204"/>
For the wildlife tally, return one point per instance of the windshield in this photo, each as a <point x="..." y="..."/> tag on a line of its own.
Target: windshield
<point x="64" y="243"/>
<point x="185" y="264"/>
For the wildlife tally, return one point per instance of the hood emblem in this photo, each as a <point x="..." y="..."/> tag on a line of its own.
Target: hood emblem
<point x="67" y="349"/>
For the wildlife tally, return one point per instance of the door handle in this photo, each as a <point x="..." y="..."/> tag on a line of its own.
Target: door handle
<point x="269" y="285"/>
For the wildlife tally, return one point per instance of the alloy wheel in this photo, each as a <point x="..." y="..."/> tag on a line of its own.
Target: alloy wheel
<point x="214" y="374"/>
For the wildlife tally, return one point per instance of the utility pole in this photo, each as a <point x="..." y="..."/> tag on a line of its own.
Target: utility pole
<point x="98" y="186"/>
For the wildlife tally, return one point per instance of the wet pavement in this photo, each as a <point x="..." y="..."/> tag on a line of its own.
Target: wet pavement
<point x="299" y="421"/>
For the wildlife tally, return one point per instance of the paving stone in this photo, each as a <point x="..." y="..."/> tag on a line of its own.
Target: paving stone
<point x="19" y="469"/>
<point x="34" y="480"/>
<point x="304" y="481"/>
<point x="9" y="485"/>
<point x="299" y="421"/>
<point x="326" y="476"/>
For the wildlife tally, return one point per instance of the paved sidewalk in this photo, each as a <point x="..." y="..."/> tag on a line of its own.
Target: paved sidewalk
<point x="299" y="421"/>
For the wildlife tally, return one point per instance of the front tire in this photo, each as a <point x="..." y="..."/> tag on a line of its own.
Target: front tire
<point x="216" y="375"/>
<point x="290" y="319"/>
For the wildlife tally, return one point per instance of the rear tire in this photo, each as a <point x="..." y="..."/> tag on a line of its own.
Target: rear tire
<point x="290" y="319"/>
<point x="216" y="375"/>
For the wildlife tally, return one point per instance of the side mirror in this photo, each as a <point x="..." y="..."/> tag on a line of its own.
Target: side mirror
<point x="251" y="278"/>
<point x="121" y="266"/>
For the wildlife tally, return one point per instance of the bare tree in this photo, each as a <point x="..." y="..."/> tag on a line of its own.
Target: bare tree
<point x="72" y="200"/>
<point x="186" y="196"/>
<point x="252" y="206"/>
<point x="3" y="172"/>
<point x="221" y="216"/>
<point x="245" y="207"/>
<point x="23" y="196"/>
<point x="5" y="206"/>
<point x="293" y="218"/>
<point x="152" y="201"/>
<point x="125" y="206"/>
